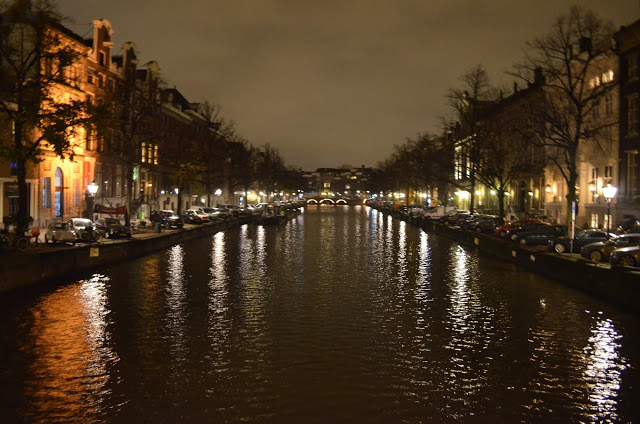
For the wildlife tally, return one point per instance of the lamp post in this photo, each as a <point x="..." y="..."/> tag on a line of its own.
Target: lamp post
<point x="609" y="193"/>
<point x="92" y="189"/>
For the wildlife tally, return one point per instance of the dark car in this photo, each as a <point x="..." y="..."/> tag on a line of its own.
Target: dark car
<point x="485" y="224"/>
<point x="514" y="231"/>
<point x="541" y="235"/>
<point x="159" y="217"/>
<point x="601" y="251"/>
<point x="455" y="218"/>
<point x="582" y="238"/>
<point x="191" y="217"/>
<point x="629" y="225"/>
<point x="112" y="228"/>
<point x="505" y="229"/>
<point x="626" y="256"/>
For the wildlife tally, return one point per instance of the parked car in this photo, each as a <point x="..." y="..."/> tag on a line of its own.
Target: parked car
<point x="438" y="212"/>
<point x="85" y="229"/>
<point x="626" y="256"/>
<point x="541" y="235"/>
<point x="217" y="213"/>
<point x="191" y="217"/>
<point x="505" y="229"/>
<point x="233" y="210"/>
<point x="418" y="211"/>
<point x="629" y="225"/>
<point x="173" y="220"/>
<point x="601" y="251"/>
<point x="60" y="232"/>
<point x="201" y="213"/>
<point x="455" y="217"/>
<point x="582" y="238"/>
<point x="112" y="228"/>
<point x="484" y="224"/>
<point x="512" y="233"/>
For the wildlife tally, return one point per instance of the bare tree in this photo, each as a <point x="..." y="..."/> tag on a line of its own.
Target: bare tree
<point x="570" y="61"/>
<point x="468" y="102"/>
<point x="35" y="59"/>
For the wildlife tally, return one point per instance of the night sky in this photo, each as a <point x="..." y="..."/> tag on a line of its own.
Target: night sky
<point x="329" y="82"/>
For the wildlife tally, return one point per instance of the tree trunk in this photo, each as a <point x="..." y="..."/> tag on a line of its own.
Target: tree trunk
<point x="501" y="203"/>
<point x="23" y="198"/>
<point x="129" y="185"/>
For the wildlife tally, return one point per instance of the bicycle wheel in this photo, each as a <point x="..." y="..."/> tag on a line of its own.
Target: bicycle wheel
<point x="22" y="244"/>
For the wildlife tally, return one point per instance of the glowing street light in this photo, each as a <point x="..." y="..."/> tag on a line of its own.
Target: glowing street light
<point x="609" y="193"/>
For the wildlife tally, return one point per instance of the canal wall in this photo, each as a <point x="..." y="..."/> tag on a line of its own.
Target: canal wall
<point x="19" y="270"/>
<point x="619" y="285"/>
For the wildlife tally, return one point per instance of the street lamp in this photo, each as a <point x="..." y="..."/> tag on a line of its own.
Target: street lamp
<point x="92" y="189"/>
<point x="609" y="193"/>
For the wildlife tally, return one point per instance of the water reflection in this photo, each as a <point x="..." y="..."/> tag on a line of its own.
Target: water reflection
<point x="176" y="305"/>
<point x="341" y="315"/>
<point x="603" y="371"/>
<point x="71" y="354"/>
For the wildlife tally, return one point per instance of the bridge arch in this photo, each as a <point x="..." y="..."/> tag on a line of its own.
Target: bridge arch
<point x="327" y="202"/>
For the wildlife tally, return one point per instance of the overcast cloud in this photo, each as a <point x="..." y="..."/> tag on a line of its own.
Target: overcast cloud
<point x="329" y="82"/>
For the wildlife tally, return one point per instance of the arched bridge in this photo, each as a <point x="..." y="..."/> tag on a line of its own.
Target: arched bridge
<point x="332" y="201"/>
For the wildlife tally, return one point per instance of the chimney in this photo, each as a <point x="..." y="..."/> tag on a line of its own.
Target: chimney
<point x="538" y="77"/>
<point x="584" y="44"/>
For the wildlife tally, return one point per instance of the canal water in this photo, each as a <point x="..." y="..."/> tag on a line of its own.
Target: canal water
<point x="341" y="315"/>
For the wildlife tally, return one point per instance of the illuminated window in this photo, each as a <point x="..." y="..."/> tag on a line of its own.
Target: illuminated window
<point x="607" y="76"/>
<point x="593" y="222"/>
<point x="458" y="163"/>
<point x="155" y="154"/>
<point x="144" y="152"/>
<point x="46" y="192"/>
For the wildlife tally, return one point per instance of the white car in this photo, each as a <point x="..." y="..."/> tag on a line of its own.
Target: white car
<point x="438" y="212"/>
<point x="60" y="232"/>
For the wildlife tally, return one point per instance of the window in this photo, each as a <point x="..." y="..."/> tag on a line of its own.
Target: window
<point x="118" y="180"/>
<point x="632" y="67"/>
<point x="595" y="112"/>
<point x="144" y="152"/>
<point x="608" y="104"/>
<point x="46" y="192"/>
<point x="155" y="154"/>
<point x="14" y="168"/>
<point x="608" y="174"/>
<point x="88" y="143"/>
<point x="107" y="186"/>
<point x="632" y="114"/>
<point x="632" y="163"/>
<point x="101" y="59"/>
<point x="607" y="76"/>
<point x="77" y="191"/>
<point x="593" y="222"/>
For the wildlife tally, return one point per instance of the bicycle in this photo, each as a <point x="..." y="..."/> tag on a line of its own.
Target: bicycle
<point x="21" y="243"/>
